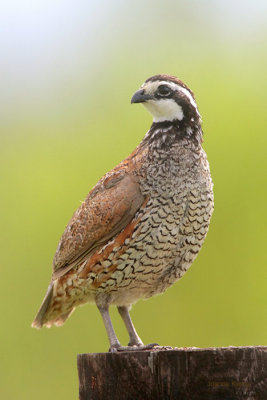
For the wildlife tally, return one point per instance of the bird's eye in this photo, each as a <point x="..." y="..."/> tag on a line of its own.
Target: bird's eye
<point x="164" y="90"/>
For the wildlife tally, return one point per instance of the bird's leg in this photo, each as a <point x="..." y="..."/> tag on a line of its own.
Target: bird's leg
<point x="113" y="340"/>
<point x="134" y="338"/>
<point x="135" y="341"/>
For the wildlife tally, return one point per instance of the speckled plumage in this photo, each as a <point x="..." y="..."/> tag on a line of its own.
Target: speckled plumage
<point x="141" y="226"/>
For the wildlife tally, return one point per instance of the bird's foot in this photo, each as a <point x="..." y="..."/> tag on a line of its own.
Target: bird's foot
<point x="135" y="347"/>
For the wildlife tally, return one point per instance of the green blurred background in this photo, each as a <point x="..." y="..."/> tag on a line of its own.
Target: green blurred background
<point x="68" y="71"/>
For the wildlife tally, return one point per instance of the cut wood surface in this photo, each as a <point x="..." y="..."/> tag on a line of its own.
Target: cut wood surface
<point x="227" y="373"/>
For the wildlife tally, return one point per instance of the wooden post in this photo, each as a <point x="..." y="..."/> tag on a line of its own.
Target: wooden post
<point x="229" y="373"/>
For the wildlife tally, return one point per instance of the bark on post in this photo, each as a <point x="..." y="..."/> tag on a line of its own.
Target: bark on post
<point x="230" y="373"/>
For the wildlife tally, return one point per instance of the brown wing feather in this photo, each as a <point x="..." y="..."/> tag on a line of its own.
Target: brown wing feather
<point x="108" y="208"/>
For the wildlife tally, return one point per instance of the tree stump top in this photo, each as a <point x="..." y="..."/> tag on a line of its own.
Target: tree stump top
<point x="226" y="373"/>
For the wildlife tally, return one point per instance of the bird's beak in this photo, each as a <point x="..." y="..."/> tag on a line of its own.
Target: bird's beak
<point x="140" y="96"/>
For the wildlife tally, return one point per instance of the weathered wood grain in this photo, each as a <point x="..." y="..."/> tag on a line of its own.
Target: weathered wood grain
<point x="231" y="373"/>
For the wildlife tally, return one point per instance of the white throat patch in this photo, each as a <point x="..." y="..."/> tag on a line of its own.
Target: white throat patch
<point x="164" y="110"/>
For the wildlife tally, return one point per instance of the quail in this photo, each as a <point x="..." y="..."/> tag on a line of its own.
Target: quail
<point x="143" y="224"/>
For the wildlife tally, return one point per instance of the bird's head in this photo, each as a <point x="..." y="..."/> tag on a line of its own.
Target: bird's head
<point x="167" y="99"/>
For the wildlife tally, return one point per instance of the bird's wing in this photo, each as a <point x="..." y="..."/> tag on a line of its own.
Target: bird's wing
<point x="108" y="208"/>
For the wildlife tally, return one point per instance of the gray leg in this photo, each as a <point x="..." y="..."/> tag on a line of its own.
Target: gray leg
<point x="135" y="341"/>
<point x="134" y="338"/>
<point x="113" y="340"/>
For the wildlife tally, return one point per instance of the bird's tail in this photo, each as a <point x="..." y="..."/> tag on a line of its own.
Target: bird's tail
<point x="40" y="319"/>
<point x="44" y="316"/>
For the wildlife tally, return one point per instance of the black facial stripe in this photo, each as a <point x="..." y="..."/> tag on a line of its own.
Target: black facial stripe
<point x="183" y="101"/>
<point x="164" y="90"/>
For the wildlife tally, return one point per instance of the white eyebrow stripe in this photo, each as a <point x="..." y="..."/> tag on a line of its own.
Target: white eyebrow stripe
<point x="182" y="89"/>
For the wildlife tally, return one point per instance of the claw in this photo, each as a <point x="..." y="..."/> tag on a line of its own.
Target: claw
<point x="115" y="349"/>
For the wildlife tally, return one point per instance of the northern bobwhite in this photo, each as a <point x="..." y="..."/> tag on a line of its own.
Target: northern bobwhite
<point x="143" y="224"/>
